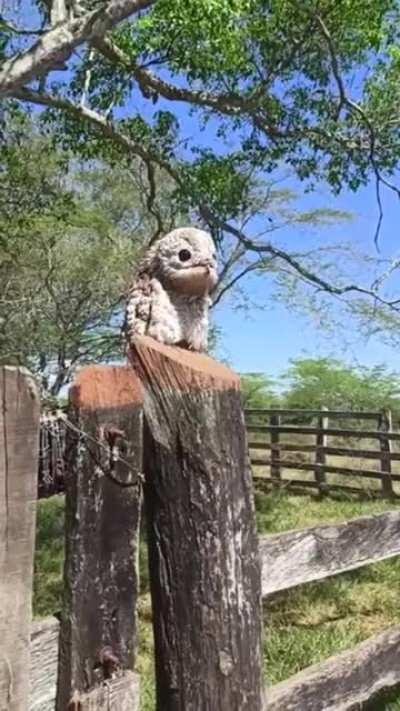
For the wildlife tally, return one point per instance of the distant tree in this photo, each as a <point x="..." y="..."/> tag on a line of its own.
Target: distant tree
<point x="70" y="233"/>
<point x="312" y="383"/>
<point x="68" y="244"/>
<point x="258" y="391"/>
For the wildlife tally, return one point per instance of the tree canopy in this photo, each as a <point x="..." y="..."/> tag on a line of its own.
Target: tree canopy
<point x="311" y="86"/>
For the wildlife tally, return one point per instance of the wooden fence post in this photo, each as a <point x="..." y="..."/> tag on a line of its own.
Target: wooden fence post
<point x="98" y="627"/>
<point x="203" y="550"/>
<point x="19" y="444"/>
<point x="276" y="476"/>
<point x="385" y="426"/>
<point x="320" y="456"/>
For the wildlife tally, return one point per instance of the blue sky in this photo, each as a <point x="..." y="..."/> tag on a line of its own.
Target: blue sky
<point x="266" y="340"/>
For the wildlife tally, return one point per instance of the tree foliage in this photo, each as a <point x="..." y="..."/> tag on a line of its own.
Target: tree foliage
<point x="69" y="242"/>
<point x="317" y="383"/>
<point x="213" y="97"/>
<point x="310" y="85"/>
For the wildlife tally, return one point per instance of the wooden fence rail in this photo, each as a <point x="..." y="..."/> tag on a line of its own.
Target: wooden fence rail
<point x="322" y="449"/>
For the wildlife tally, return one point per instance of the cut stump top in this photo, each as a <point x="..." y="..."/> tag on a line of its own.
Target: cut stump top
<point x="179" y="369"/>
<point x="104" y="386"/>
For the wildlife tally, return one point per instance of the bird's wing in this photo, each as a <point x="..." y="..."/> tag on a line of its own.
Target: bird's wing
<point x="138" y="307"/>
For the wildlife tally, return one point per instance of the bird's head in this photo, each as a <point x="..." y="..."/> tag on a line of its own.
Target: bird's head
<point x="185" y="261"/>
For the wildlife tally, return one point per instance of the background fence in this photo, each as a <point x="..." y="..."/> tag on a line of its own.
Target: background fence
<point x="316" y="441"/>
<point x="295" y="442"/>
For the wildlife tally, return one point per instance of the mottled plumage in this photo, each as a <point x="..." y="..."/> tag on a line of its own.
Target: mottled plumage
<point x="169" y="299"/>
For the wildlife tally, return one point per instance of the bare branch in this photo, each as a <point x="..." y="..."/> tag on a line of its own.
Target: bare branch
<point x="297" y="267"/>
<point x="55" y="46"/>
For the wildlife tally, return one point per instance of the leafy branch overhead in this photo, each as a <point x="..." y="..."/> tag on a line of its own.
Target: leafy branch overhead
<point x="312" y="86"/>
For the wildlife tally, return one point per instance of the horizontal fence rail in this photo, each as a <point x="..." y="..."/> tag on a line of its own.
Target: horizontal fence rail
<point x="324" y="444"/>
<point x="297" y="557"/>
<point x="344" y="682"/>
<point x="350" y="414"/>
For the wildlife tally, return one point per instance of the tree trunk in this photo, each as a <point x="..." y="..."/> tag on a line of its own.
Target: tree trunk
<point x="203" y="552"/>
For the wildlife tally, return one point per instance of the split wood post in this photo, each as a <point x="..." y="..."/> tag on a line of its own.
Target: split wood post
<point x="104" y="456"/>
<point x="385" y="426"/>
<point x="19" y="446"/>
<point x="320" y="456"/>
<point x="203" y="549"/>
<point x="276" y="476"/>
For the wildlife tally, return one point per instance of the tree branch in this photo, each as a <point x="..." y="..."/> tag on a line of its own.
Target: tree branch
<point x="101" y="123"/>
<point x="354" y="107"/>
<point x="55" y="46"/>
<point x="299" y="269"/>
<point x="58" y="12"/>
<point x="247" y="270"/>
<point x="150" y="83"/>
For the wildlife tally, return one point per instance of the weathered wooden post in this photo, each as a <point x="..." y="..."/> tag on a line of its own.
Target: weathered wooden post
<point x="276" y="475"/>
<point x="19" y="444"/>
<point x="320" y="456"/>
<point x="98" y="627"/>
<point x="385" y="427"/>
<point x="204" y="563"/>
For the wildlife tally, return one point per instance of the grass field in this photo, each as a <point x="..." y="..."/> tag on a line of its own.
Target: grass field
<point x="302" y="626"/>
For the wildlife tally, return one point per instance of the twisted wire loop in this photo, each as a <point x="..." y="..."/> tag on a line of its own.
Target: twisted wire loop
<point x="53" y="455"/>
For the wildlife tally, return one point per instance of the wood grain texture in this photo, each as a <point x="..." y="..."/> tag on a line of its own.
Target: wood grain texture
<point x="190" y="372"/>
<point x="344" y="682"/>
<point x="44" y="664"/>
<point x="19" y="443"/>
<point x="98" y="629"/>
<point x="204" y="562"/>
<point x="297" y="557"/>
<point x="119" y="694"/>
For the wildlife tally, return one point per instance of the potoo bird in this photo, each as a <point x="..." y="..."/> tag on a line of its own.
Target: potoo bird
<point x="169" y="299"/>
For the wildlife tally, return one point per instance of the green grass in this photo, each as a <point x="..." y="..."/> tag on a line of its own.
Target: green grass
<point x="302" y="626"/>
<point x="49" y="556"/>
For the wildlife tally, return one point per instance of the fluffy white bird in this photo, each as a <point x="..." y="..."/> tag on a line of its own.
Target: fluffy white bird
<point x="169" y="299"/>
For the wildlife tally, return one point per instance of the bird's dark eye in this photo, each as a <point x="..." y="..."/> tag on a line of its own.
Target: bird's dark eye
<point x="184" y="255"/>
